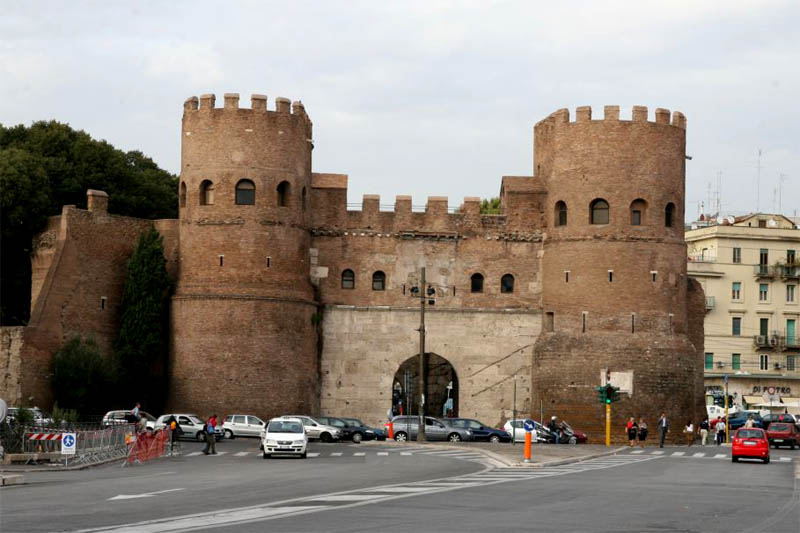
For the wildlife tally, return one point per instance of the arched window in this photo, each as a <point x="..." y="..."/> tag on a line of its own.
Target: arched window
<point x="638" y="212"/>
<point x="476" y="283"/>
<point x="206" y="193"/>
<point x="348" y="279"/>
<point x="669" y="215"/>
<point x="303" y="197"/>
<point x="283" y="194"/>
<point x="507" y="284"/>
<point x="183" y="194"/>
<point x="378" y="281"/>
<point x="245" y="193"/>
<point x="599" y="212"/>
<point x="561" y="213"/>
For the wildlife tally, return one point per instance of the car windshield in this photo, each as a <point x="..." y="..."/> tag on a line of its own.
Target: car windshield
<point x="336" y="422"/>
<point x="779" y="427"/>
<point x="195" y="420"/>
<point x="284" y="426"/>
<point x="750" y="434"/>
<point x="353" y="421"/>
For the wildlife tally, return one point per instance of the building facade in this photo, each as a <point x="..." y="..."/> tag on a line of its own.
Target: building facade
<point x="289" y="300"/>
<point x="749" y="271"/>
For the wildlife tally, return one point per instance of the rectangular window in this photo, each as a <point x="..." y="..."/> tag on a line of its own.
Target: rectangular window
<point x="103" y="302"/>
<point x="736" y="323"/>
<point x="763" y="326"/>
<point x="736" y="361"/>
<point x="737" y="255"/>
<point x="736" y="290"/>
<point x="566" y="276"/>
<point x="583" y="318"/>
<point x="762" y="223"/>
<point x="789" y="257"/>
<point x="610" y="276"/>
<point x="221" y="259"/>
<point x="763" y="256"/>
<point x="636" y="217"/>
<point x="654" y="275"/>
<point x="633" y="322"/>
<point x="763" y="292"/>
<point x="269" y="260"/>
<point x="709" y="361"/>
<point x="549" y="319"/>
<point x="789" y="362"/>
<point x="790" y="293"/>
<point x="763" y="362"/>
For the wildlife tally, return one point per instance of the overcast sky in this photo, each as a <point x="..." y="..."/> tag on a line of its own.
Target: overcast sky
<point x="429" y="98"/>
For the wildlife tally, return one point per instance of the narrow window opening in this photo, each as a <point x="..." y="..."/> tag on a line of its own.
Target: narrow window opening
<point x="669" y="215"/>
<point x="584" y="317"/>
<point x="638" y="210"/>
<point x="507" y="284"/>
<point x="183" y="194"/>
<point x="245" y="193"/>
<point x="610" y="276"/>
<point x="283" y="194"/>
<point x="103" y="302"/>
<point x="221" y="259"/>
<point x="269" y="259"/>
<point x="561" y="213"/>
<point x="671" y="324"/>
<point x="454" y="290"/>
<point x="566" y="276"/>
<point x="348" y="279"/>
<point x="206" y="193"/>
<point x="654" y="275"/>
<point x="303" y="198"/>
<point x="598" y="212"/>
<point x="633" y="322"/>
<point x="549" y="321"/>
<point x="476" y="283"/>
<point x="737" y="255"/>
<point x="378" y="281"/>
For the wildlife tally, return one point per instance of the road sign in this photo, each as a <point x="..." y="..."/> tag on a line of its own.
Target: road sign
<point x="528" y="425"/>
<point x="68" y="444"/>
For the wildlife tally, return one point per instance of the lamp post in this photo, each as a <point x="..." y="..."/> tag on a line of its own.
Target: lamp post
<point x="425" y="294"/>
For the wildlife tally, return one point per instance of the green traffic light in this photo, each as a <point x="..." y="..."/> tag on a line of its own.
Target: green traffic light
<point x="608" y="400"/>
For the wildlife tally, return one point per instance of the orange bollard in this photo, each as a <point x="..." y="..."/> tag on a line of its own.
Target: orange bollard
<point x="391" y="429"/>
<point x="527" y="446"/>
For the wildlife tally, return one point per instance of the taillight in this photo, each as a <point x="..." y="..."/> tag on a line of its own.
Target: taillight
<point x="737" y="441"/>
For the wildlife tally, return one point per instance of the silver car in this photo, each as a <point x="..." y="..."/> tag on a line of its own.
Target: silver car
<point x="406" y="428"/>
<point x="317" y="430"/>
<point x="242" y="426"/>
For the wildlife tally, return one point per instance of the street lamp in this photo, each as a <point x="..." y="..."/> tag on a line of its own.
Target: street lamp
<point x="424" y="294"/>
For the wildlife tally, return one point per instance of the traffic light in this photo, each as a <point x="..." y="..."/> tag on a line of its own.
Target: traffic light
<point x="611" y="393"/>
<point x="601" y="394"/>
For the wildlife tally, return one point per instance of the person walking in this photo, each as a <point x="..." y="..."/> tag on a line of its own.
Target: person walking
<point x="720" y="429"/>
<point x="663" y="428"/>
<point x="688" y="432"/>
<point x="175" y="432"/>
<point x="211" y="427"/>
<point x="633" y="429"/>
<point x="750" y="422"/>
<point x="704" y="431"/>
<point x="642" y="431"/>
<point x="135" y="411"/>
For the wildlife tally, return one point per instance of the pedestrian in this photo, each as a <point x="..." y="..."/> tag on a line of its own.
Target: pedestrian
<point x="663" y="428"/>
<point x="750" y="422"/>
<point x="704" y="431"/>
<point x="642" y="431"/>
<point x="633" y="429"/>
<point x="135" y="411"/>
<point x="688" y="432"/>
<point x="175" y="431"/>
<point x="211" y="438"/>
<point x="720" y="429"/>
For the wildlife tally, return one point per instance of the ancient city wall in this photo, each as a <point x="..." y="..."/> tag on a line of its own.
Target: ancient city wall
<point x="11" y="346"/>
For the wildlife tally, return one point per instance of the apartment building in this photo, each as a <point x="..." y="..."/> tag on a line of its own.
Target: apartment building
<point x="750" y="271"/>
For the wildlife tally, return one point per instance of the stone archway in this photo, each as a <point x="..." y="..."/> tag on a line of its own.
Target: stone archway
<point x="441" y="381"/>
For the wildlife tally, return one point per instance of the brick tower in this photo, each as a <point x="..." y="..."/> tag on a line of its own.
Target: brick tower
<point x="242" y="314"/>
<point x="615" y="292"/>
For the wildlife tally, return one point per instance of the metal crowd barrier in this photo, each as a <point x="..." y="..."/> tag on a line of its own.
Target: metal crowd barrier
<point x="91" y="446"/>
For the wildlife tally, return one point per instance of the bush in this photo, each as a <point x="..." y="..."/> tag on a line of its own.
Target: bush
<point x="83" y="379"/>
<point x="64" y="417"/>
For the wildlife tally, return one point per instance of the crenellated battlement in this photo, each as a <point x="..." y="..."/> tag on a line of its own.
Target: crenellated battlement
<point x="258" y="104"/>
<point x="611" y="113"/>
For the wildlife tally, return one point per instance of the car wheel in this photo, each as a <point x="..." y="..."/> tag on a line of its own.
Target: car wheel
<point x="792" y="445"/>
<point x="357" y="438"/>
<point x="265" y="455"/>
<point x="201" y="437"/>
<point x="229" y="434"/>
<point x="303" y="455"/>
<point x="494" y="439"/>
<point x="454" y="437"/>
<point x="766" y="460"/>
<point x="734" y="459"/>
<point x="400" y="436"/>
<point x="326" y="437"/>
<point x="573" y="440"/>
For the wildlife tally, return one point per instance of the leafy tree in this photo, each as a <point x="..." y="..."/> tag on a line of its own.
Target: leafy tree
<point x="490" y="206"/>
<point x="48" y="165"/>
<point x="143" y="342"/>
<point x="83" y="378"/>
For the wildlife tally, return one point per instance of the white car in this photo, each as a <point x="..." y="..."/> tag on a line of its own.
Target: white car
<point x="516" y="429"/>
<point x="242" y="426"/>
<point x="192" y="427"/>
<point x="284" y="436"/>
<point x="317" y="430"/>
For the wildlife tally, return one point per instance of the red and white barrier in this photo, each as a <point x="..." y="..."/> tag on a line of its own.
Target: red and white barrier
<point x="44" y="436"/>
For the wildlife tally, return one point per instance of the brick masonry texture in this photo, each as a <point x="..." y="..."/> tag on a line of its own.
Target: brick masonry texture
<point x="262" y="321"/>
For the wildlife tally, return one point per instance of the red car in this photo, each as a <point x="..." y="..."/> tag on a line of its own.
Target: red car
<point x="750" y="443"/>
<point x="783" y="434"/>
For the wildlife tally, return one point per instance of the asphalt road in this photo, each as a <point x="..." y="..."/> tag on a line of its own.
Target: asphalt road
<point x="386" y="490"/>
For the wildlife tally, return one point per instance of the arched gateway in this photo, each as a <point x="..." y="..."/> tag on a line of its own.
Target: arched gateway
<point x="441" y="390"/>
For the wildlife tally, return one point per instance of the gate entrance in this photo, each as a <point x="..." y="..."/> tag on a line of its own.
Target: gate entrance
<point x="441" y="394"/>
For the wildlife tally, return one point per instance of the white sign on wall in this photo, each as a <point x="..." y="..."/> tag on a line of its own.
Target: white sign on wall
<point x="621" y="380"/>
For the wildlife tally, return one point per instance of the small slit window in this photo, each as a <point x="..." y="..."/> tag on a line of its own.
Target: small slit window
<point x="103" y="301"/>
<point x="206" y="193"/>
<point x="566" y="276"/>
<point x="598" y="212"/>
<point x="561" y="213"/>
<point x="638" y="210"/>
<point x="654" y="275"/>
<point x="183" y="194"/>
<point x="549" y="321"/>
<point x="476" y="283"/>
<point x="221" y="260"/>
<point x="669" y="215"/>
<point x="378" y="281"/>
<point x="245" y="193"/>
<point x="303" y="199"/>
<point x="348" y="279"/>
<point x="507" y="284"/>
<point x="283" y="193"/>
<point x="611" y="276"/>
<point x="584" y="319"/>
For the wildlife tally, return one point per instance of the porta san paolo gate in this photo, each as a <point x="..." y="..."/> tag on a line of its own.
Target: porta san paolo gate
<point x="297" y="303"/>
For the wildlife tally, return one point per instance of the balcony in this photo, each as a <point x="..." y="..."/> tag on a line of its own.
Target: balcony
<point x="709" y="303"/>
<point x="790" y="342"/>
<point x="700" y="257"/>
<point x="764" y="271"/>
<point x="766" y="341"/>
<point x="791" y="271"/>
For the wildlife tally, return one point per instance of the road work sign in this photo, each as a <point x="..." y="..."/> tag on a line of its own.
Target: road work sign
<point x="68" y="444"/>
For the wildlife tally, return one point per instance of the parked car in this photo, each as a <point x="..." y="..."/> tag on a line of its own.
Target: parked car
<point x="192" y="426"/>
<point x="783" y="434"/>
<point x="367" y="432"/>
<point x="338" y="423"/>
<point x="739" y="419"/>
<point x="407" y="427"/>
<point x="242" y="426"/>
<point x="284" y="436"/>
<point x="127" y="417"/>
<point x="780" y="417"/>
<point x="750" y="443"/>
<point x="515" y="427"/>
<point x="39" y="418"/>
<point x="317" y="430"/>
<point x="480" y="431"/>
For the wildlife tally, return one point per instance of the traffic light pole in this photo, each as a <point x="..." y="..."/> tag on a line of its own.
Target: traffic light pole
<point x="422" y="391"/>
<point x="608" y="425"/>
<point x="727" y="427"/>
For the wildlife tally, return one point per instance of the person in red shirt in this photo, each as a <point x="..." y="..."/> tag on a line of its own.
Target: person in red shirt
<point x="211" y="428"/>
<point x="633" y="429"/>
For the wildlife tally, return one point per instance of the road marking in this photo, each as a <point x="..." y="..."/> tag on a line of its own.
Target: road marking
<point x="218" y="453"/>
<point x="784" y="459"/>
<point x="406" y="453"/>
<point x="720" y="456"/>
<point x="313" y="454"/>
<point x="143" y="495"/>
<point x="347" y="497"/>
<point x="678" y="454"/>
<point x="241" y="454"/>
<point x="359" y="454"/>
<point x="657" y="452"/>
<point x="193" y="454"/>
<point x="637" y="451"/>
<point x="383" y="453"/>
<point x="336" y="454"/>
<point x="402" y="489"/>
<point x="700" y="454"/>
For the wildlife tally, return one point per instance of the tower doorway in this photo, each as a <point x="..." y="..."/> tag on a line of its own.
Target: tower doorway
<point x="441" y="394"/>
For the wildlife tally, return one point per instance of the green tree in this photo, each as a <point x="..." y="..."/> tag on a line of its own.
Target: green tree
<point x="83" y="378"/>
<point x="48" y="165"/>
<point x="490" y="206"/>
<point x="143" y="342"/>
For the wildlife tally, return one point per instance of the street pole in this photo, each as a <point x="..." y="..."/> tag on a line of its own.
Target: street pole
<point x="727" y="428"/>
<point x="608" y="425"/>
<point x="422" y="391"/>
<point x="514" y="414"/>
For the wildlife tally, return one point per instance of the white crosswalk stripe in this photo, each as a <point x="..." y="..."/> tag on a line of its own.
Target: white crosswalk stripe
<point x="676" y="454"/>
<point x="657" y="452"/>
<point x="699" y="454"/>
<point x="241" y="454"/>
<point x="634" y="451"/>
<point x="720" y="456"/>
<point x="192" y="454"/>
<point x="784" y="458"/>
<point x="313" y="454"/>
<point x="336" y="454"/>
<point x="383" y="453"/>
<point x="359" y="454"/>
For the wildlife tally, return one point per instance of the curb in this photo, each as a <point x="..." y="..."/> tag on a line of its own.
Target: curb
<point x="61" y="468"/>
<point x="12" y="480"/>
<point x="569" y="460"/>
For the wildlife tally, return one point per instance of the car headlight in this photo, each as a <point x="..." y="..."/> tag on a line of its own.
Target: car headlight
<point x="271" y="442"/>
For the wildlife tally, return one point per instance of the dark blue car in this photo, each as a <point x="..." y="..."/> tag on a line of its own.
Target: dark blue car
<point x="480" y="431"/>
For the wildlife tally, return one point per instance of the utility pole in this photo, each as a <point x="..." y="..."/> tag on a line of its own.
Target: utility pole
<point x="422" y="391"/>
<point x="514" y="413"/>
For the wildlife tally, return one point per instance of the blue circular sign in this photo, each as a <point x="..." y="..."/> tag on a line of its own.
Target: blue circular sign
<point x="69" y="441"/>
<point x="528" y="425"/>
